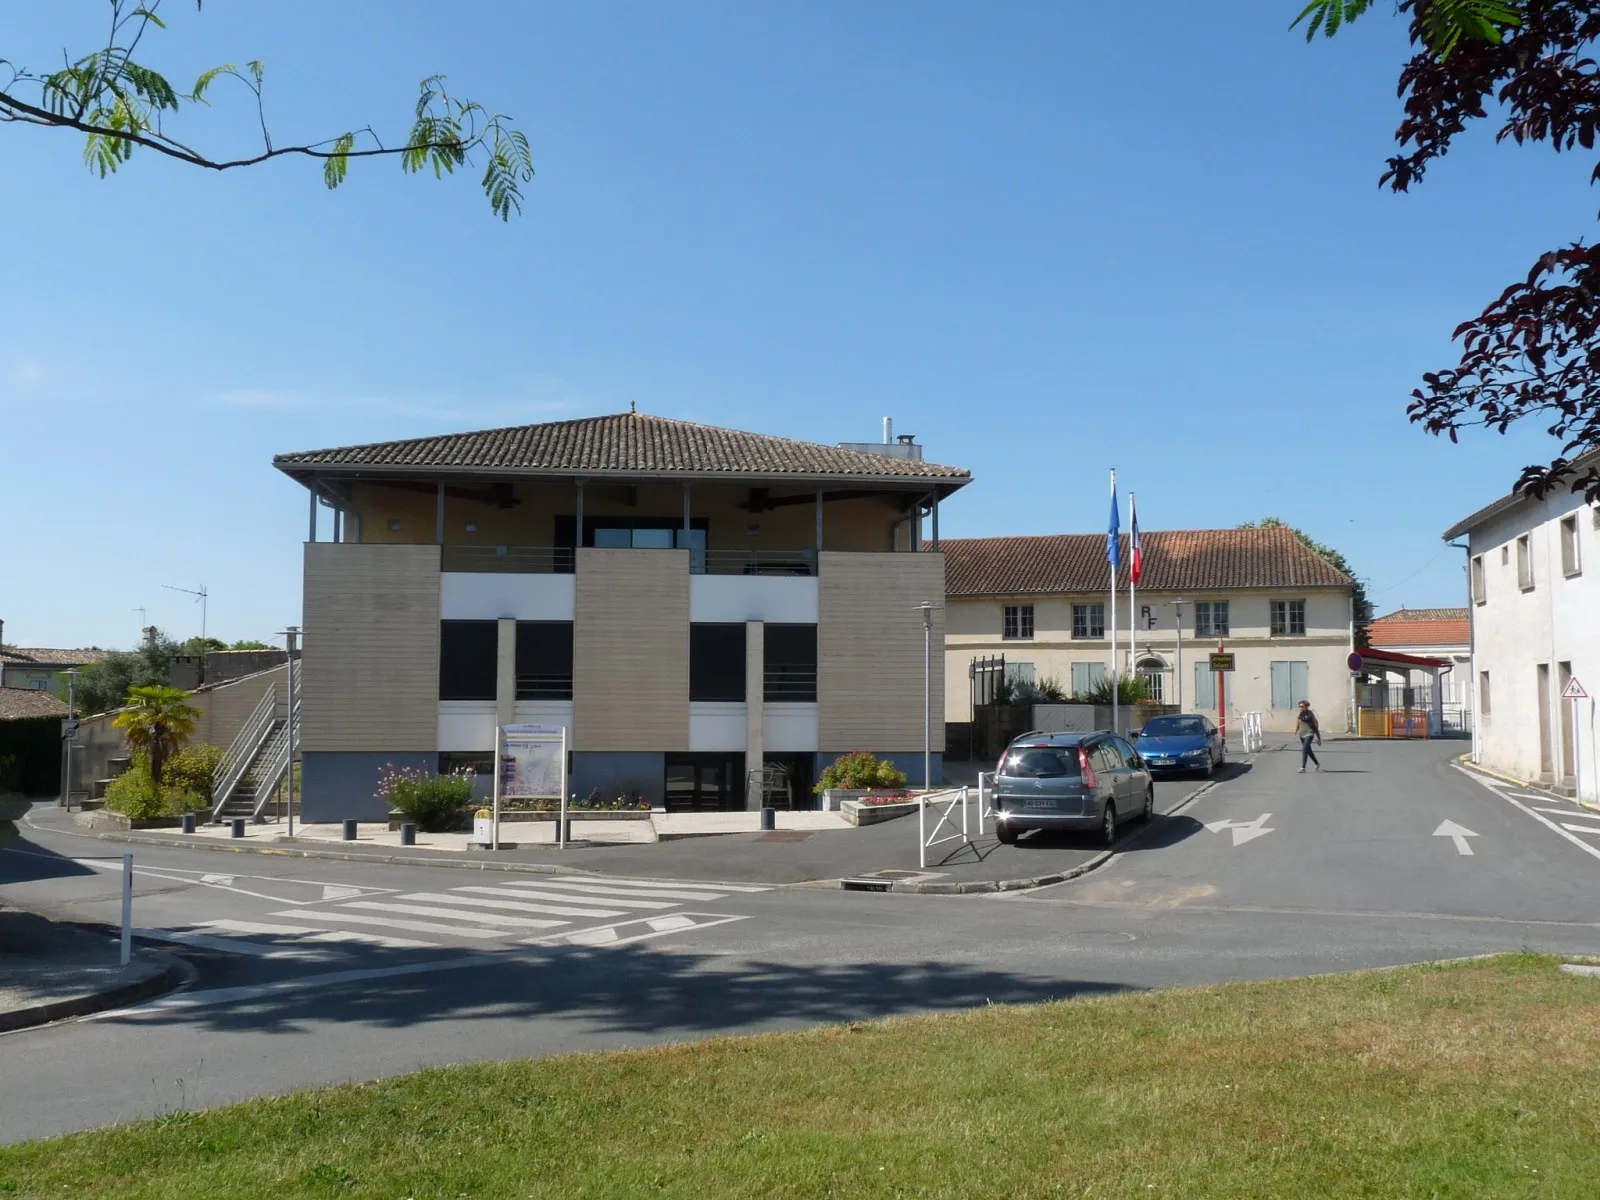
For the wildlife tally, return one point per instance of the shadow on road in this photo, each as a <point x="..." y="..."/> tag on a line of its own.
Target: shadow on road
<point x="23" y="860"/>
<point x="626" y="990"/>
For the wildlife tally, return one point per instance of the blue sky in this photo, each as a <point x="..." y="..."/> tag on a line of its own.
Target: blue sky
<point x="1047" y="238"/>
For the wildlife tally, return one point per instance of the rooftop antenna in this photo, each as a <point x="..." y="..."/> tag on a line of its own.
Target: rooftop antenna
<point x="139" y="608"/>
<point x="199" y="595"/>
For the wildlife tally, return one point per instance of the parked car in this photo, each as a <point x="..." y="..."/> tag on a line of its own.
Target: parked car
<point x="1184" y="742"/>
<point x="1068" y="781"/>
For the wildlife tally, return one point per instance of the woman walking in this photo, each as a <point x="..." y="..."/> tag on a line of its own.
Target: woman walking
<point x="1306" y="727"/>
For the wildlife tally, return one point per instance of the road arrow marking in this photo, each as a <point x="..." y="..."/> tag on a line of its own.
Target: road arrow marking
<point x="1243" y="831"/>
<point x="1456" y="833"/>
<point x="337" y="891"/>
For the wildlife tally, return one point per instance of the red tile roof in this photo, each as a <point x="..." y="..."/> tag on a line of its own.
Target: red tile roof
<point x="1174" y="560"/>
<point x="21" y="704"/>
<point x="1421" y="627"/>
<point x="34" y="656"/>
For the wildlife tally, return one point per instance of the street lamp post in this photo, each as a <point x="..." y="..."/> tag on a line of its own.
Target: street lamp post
<point x="926" y="608"/>
<point x="1177" y="607"/>
<point x="72" y="714"/>
<point x="291" y="638"/>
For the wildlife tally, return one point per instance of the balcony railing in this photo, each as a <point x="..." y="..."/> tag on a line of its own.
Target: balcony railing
<point x="544" y="687"/>
<point x="560" y="560"/>
<point x="516" y="560"/>
<point x="789" y="685"/>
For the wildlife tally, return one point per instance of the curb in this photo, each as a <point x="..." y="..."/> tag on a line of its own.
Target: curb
<point x="1465" y="763"/>
<point x="1038" y="881"/>
<point x="176" y="974"/>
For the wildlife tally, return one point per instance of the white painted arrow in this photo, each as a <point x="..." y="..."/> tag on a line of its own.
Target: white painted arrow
<point x="1243" y="831"/>
<point x="1456" y="833"/>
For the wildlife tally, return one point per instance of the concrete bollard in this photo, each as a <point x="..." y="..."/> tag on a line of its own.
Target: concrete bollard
<point x="350" y="831"/>
<point x="769" y="819"/>
<point x="408" y="834"/>
<point x="238" y="827"/>
<point x="188" y="822"/>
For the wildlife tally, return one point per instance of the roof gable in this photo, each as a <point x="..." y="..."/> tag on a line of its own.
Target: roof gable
<point x="22" y="704"/>
<point x="1174" y="560"/>
<point x="624" y="443"/>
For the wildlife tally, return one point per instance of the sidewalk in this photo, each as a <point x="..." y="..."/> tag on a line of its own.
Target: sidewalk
<point x="50" y="971"/>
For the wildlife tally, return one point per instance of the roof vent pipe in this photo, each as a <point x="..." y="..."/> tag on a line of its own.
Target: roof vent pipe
<point x="888" y="430"/>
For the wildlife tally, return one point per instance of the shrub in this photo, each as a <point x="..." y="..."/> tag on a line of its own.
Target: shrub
<point x="436" y="802"/>
<point x="135" y="795"/>
<point x="1130" y="690"/>
<point x="193" y="769"/>
<point x="859" y="771"/>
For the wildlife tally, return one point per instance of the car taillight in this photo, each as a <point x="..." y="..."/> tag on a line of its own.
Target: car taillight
<point x="1089" y="780"/>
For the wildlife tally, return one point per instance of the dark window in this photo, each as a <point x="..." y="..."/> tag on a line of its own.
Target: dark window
<point x="544" y="660"/>
<point x="1040" y="762"/>
<point x="1107" y="757"/>
<point x="1088" y="620"/>
<point x="716" y="661"/>
<point x="1288" y="618"/>
<point x="789" y="664"/>
<point x="1016" y="622"/>
<point x="1211" y="618"/>
<point x="479" y="763"/>
<point x="468" y="654"/>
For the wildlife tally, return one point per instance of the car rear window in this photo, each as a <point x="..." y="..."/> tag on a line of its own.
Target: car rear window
<point x="1042" y="762"/>
<point x="1175" y="727"/>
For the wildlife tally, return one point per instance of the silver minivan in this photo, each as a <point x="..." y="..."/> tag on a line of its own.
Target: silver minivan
<point x="1070" y="781"/>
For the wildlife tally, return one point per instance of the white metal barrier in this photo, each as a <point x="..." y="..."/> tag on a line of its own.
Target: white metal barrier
<point x="927" y="839"/>
<point x="985" y="798"/>
<point x="1252" y="733"/>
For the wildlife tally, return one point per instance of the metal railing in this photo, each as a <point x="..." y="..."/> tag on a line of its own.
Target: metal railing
<point x="236" y="759"/>
<point x="272" y="764"/>
<point x="789" y="685"/>
<point x="544" y="687"/>
<point x="517" y="560"/>
<point x="759" y="562"/>
<point x="951" y="799"/>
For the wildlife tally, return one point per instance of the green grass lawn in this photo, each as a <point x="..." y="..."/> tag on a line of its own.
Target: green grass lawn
<point x="1477" y="1079"/>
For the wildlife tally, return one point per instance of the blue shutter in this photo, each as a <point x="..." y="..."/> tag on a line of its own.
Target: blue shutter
<point x="1205" y="686"/>
<point x="1300" y="681"/>
<point x="1282" y="686"/>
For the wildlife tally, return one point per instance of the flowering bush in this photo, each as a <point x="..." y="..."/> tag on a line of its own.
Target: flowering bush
<point x="898" y="796"/>
<point x="859" y="771"/>
<point x="595" y="801"/>
<point x="436" y="802"/>
<point x="137" y="796"/>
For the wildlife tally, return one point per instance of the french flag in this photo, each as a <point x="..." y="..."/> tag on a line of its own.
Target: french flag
<point x="1136" y="567"/>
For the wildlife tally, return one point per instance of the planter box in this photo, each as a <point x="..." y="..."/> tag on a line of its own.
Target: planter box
<point x="578" y="814"/>
<point x="858" y="813"/>
<point x="834" y="799"/>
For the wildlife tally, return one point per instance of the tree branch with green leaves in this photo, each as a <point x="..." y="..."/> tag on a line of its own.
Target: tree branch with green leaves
<point x="120" y="104"/>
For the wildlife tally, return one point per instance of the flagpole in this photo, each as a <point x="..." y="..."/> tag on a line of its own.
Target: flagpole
<point x="1133" y="596"/>
<point x="1113" y="550"/>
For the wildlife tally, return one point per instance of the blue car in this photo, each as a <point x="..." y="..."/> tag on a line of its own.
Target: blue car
<point x="1186" y="742"/>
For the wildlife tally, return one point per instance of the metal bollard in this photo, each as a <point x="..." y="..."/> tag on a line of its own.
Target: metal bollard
<point x="408" y="834"/>
<point x="238" y="827"/>
<point x="188" y="822"/>
<point x="350" y="831"/>
<point x="769" y="819"/>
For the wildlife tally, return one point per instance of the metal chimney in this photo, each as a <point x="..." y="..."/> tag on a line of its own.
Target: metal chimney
<point x="888" y="430"/>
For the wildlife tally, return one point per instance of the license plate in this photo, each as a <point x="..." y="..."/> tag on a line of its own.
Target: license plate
<point x="1041" y="803"/>
<point x="1160" y="762"/>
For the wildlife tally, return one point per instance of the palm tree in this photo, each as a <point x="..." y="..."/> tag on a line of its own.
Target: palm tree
<point x="158" y="721"/>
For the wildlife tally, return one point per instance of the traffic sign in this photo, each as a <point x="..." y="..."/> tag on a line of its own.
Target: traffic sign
<point x="1222" y="662"/>
<point x="1574" y="690"/>
<point x="69" y="728"/>
<point x="1354" y="662"/>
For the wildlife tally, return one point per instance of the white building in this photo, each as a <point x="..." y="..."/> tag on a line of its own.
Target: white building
<point x="1534" y="577"/>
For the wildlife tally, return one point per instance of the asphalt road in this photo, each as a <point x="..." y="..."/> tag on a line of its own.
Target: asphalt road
<point x="319" y="972"/>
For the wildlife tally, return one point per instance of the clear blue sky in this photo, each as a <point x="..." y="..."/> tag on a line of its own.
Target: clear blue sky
<point x="1047" y="238"/>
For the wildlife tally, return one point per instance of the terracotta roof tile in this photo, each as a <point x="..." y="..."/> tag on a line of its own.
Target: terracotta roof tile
<point x="1175" y="559"/>
<point x="19" y="704"/>
<point x="24" y="656"/>
<point x="632" y="443"/>
<point x="1421" y="627"/>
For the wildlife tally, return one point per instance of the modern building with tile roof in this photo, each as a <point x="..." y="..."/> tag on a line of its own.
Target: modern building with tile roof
<point x="711" y="614"/>
<point x="1261" y="593"/>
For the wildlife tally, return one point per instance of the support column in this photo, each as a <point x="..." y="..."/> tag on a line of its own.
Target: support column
<point x="577" y="540"/>
<point x="312" y="535"/>
<point x="438" y="521"/>
<point x="505" y="679"/>
<point x="755" y="715"/>
<point x="934" y="504"/>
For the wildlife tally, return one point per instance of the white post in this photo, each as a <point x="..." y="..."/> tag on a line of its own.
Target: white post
<point x="561" y="816"/>
<point x="927" y="695"/>
<point x="922" y="831"/>
<point x="494" y="823"/>
<point x="127" y="907"/>
<point x="1577" y="752"/>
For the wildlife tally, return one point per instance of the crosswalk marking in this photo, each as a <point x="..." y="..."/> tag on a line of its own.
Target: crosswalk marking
<point x="513" y="905"/>
<point x="391" y="923"/>
<point x="574" y="897"/>
<point x="433" y="910"/>
<point x="624" y="881"/>
<point x="592" y="889"/>
<point x="227" y="945"/>
<point x="1581" y="828"/>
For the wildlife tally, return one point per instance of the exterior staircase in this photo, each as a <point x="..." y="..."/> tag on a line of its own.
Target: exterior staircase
<point x="255" y="765"/>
